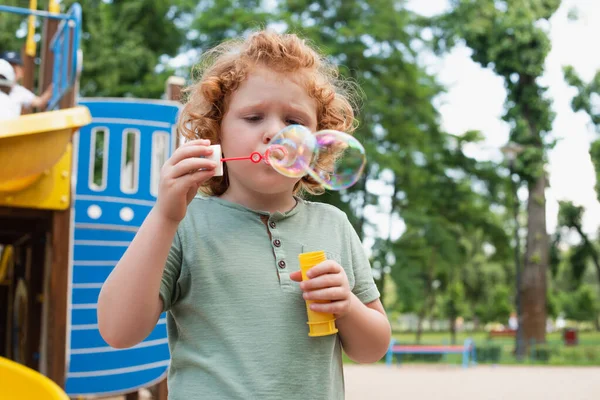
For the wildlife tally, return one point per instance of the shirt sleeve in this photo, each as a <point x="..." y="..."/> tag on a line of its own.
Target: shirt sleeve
<point x="22" y="95"/>
<point x="169" y="286"/>
<point x="364" y="284"/>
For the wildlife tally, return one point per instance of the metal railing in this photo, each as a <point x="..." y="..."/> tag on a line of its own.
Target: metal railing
<point x="64" y="46"/>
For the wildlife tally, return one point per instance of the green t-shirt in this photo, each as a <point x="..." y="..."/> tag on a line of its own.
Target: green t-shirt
<point x="236" y="321"/>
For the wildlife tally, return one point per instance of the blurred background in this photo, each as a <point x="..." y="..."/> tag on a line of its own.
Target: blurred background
<point x="479" y="205"/>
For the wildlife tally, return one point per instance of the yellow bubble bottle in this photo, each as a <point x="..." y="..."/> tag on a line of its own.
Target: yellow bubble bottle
<point x="319" y="324"/>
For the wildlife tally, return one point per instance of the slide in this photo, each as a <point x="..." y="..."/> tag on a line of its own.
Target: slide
<point x="18" y="382"/>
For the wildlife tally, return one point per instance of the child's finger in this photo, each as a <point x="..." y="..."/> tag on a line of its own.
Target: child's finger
<point x="334" y="307"/>
<point x="326" y="267"/>
<point x="196" y="178"/>
<point x="195" y="141"/>
<point x="296" y="276"/>
<point x="330" y="293"/>
<point x="188" y="165"/>
<point x="199" y="149"/>
<point x="321" y="282"/>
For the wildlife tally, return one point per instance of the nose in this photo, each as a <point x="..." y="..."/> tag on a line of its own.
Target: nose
<point x="272" y="129"/>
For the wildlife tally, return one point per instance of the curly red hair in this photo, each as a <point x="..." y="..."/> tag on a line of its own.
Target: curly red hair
<point x="223" y="68"/>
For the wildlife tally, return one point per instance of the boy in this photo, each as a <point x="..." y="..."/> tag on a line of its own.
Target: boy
<point x="9" y="109"/>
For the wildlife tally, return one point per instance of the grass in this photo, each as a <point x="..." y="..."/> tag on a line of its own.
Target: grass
<point x="500" y="350"/>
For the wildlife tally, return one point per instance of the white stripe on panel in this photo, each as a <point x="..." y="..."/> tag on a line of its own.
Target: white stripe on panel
<point x="118" y="371"/>
<point x="114" y="199"/>
<point x="107" y="349"/>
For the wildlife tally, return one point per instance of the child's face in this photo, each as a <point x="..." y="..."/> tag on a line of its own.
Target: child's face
<point x="265" y="103"/>
<point x="18" y="72"/>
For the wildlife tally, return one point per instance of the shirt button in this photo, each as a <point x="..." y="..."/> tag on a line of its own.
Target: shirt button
<point x="272" y="225"/>
<point x="281" y="264"/>
<point x="277" y="242"/>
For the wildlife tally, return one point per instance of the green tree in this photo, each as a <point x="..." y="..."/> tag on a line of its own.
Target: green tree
<point x="572" y="216"/>
<point x="429" y="178"/>
<point x="454" y="305"/>
<point x="218" y="20"/>
<point x="507" y="37"/>
<point x="496" y="306"/>
<point x="13" y="28"/>
<point x="123" y="42"/>
<point x="582" y="305"/>
<point x="486" y="278"/>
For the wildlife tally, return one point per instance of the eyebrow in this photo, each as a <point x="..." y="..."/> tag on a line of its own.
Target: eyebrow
<point x="288" y="107"/>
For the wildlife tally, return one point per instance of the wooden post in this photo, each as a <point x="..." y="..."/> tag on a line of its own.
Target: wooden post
<point x="58" y="284"/>
<point x="57" y="297"/>
<point x="174" y="88"/>
<point x="49" y="29"/>
<point x="174" y="92"/>
<point x="28" y="70"/>
<point x="162" y="391"/>
<point x="35" y="282"/>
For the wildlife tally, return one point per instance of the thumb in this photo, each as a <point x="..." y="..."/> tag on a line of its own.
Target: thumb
<point x="296" y="276"/>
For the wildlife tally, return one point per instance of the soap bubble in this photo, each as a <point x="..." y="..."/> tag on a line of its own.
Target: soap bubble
<point x="292" y="151"/>
<point x="333" y="158"/>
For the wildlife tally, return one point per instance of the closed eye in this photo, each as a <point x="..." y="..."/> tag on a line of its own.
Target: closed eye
<point x="253" y="118"/>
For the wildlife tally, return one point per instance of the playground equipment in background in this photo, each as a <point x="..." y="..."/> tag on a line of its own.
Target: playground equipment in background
<point x="69" y="237"/>
<point x="502" y="333"/>
<point x="18" y="382"/>
<point x="38" y="145"/>
<point x="36" y="158"/>
<point x="64" y="46"/>
<point x="467" y="350"/>
<point x="119" y="157"/>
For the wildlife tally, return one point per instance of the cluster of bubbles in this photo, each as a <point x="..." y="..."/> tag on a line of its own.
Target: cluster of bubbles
<point x="333" y="158"/>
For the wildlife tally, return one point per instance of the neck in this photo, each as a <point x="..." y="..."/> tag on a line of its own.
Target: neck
<point x="272" y="202"/>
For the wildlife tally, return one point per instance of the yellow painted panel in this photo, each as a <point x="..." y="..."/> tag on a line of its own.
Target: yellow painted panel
<point x="31" y="144"/>
<point x="51" y="191"/>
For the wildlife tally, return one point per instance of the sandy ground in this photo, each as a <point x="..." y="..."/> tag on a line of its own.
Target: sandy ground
<point x="378" y="382"/>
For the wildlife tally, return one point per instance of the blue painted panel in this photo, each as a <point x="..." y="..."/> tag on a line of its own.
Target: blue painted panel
<point x="119" y="358"/>
<point x="135" y="109"/>
<point x="111" y="212"/>
<point x="83" y="317"/>
<point x="85" y="296"/>
<point x="90" y="338"/>
<point x="102" y="234"/>
<point x="122" y="382"/>
<point x="84" y="275"/>
<point x="98" y="253"/>
<point x="106" y="219"/>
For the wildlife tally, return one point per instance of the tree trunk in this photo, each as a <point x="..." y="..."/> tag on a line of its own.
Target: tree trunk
<point x="420" y="323"/>
<point x="591" y="248"/>
<point x="425" y="311"/>
<point x="533" y="282"/>
<point x="453" y="329"/>
<point x="380" y="283"/>
<point x="428" y="295"/>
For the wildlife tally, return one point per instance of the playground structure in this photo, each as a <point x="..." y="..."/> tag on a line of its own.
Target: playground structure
<point x="467" y="350"/>
<point x="20" y="382"/>
<point x="76" y="182"/>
